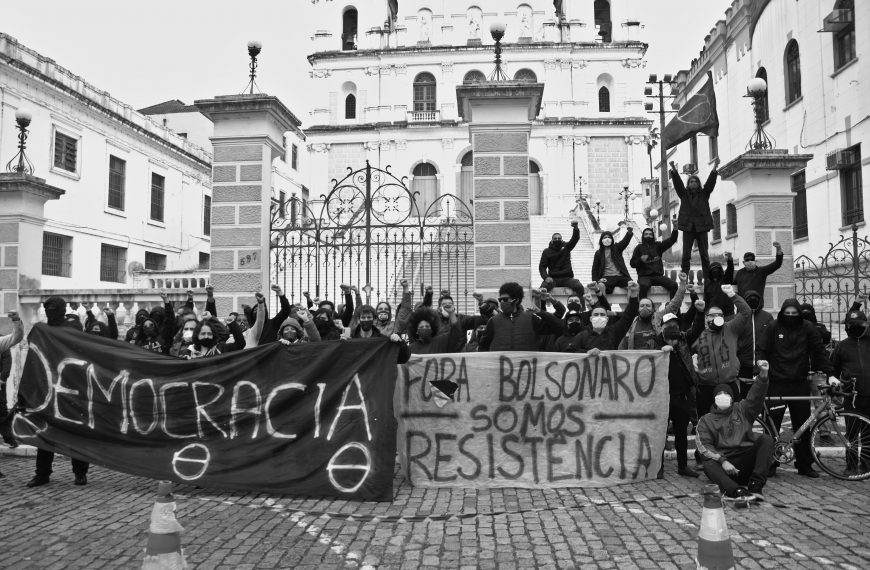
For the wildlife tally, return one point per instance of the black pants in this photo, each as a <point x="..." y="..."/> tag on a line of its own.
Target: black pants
<point x="706" y="396"/>
<point x="44" y="459"/>
<point x="689" y="238"/>
<point x="751" y="463"/>
<point x="5" y="417"/>
<point x="799" y="412"/>
<point x="615" y="281"/>
<point x="660" y="280"/>
<point x="570" y="282"/>
<point x="680" y="413"/>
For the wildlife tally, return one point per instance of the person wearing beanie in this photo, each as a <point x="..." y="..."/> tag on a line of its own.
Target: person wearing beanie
<point x="715" y="278"/>
<point x="792" y="345"/>
<point x="753" y="277"/>
<point x="555" y="265"/>
<point x="695" y="219"/>
<point x="747" y="344"/>
<point x="645" y="330"/>
<point x="647" y="260"/>
<point x="735" y="455"/>
<point x="423" y="325"/>
<point x="608" y="266"/>
<point x="851" y="362"/>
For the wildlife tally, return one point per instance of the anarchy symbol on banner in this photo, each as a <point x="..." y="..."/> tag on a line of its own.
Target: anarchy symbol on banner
<point x="333" y="466"/>
<point x="189" y="455"/>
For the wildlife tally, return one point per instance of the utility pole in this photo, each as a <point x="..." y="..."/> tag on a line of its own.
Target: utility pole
<point x="663" y="152"/>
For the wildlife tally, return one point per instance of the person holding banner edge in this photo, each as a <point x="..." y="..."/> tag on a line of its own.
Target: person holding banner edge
<point x="7" y="342"/>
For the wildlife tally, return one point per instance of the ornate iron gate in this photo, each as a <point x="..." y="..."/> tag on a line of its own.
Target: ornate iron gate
<point x="832" y="283"/>
<point x="370" y="230"/>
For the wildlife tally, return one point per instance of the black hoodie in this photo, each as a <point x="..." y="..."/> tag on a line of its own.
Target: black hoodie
<point x="653" y="265"/>
<point x="713" y="295"/>
<point x="752" y="335"/>
<point x="598" y="263"/>
<point x="787" y="346"/>
<point x="556" y="261"/>
<point x="808" y="312"/>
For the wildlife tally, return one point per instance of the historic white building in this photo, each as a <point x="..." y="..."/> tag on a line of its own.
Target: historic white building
<point x="814" y="56"/>
<point x="387" y="88"/>
<point x="137" y="195"/>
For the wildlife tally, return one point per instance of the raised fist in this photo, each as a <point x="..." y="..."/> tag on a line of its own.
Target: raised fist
<point x="206" y="315"/>
<point x="14" y="316"/>
<point x="190" y="293"/>
<point x="727" y="255"/>
<point x="354" y="288"/>
<point x="673" y="164"/>
<point x="209" y="290"/>
<point x="862" y="297"/>
<point x="306" y="294"/>
<point x="345" y="288"/>
<point x="667" y="348"/>
<point x="303" y="315"/>
<point x="428" y="289"/>
<point x="108" y="311"/>
<point x="728" y="290"/>
<point x="164" y="295"/>
<point x="777" y="246"/>
<point x="478" y="297"/>
<point x="230" y="319"/>
<point x="445" y="292"/>
<point x="404" y="283"/>
<point x="700" y="305"/>
<point x="683" y="277"/>
<point x="260" y="298"/>
<point x="763" y="365"/>
<point x="633" y="289"/>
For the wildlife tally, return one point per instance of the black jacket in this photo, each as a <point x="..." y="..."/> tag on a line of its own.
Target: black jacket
<point x="747" y="281"/>
<point x="713" y="295"/>
<point x="271" y="326"/>
<point x="615" y="253"/>
<point x="787" y="349"/>
<point x="653" y="265"/>
<point x="681" y="372"/>
<point x="520" y="331"/>
<point x="851" y="357"/>
<point x="556" y="263"/>
<point x="612" y="334"/>
<point x="695" y="212"/>
<point x="753" y="334"/>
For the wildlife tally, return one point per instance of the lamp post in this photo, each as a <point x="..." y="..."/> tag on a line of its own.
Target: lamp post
<point x="20" y="163"/>
<point x="626" y="195"/>
<point x="757" y="91"/>
<point x="598" y="209"/>
<point x="496" y="30"/>
<point x="254" y="49"/>
<point x="659" y="97"/>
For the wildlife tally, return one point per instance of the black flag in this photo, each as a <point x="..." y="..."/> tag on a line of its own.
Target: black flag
<point x="698" y="115"/>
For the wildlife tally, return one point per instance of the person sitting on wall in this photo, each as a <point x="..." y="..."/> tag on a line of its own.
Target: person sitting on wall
<point x="753" y="277"/>
<point x="695" y="219"/>
<point x="647" y="260"/>
<point x="608" y="267"/>
<point x="555" y="265"/>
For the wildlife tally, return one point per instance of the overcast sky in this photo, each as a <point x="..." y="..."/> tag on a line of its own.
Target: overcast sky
<point x="146" y="52"/>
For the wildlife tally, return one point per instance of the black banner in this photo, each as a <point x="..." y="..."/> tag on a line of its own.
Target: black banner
<point x="698" y="115"/>
<point x="314" y="419"/>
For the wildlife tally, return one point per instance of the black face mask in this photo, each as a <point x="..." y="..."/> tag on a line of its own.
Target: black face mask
<point x="574" y="327"/>
<point x="792" y="320"/>
<point x="754" y="303"/>
<point x="366" y="325"/>
<point x="716" y="324"/>
<point x="556" y="244"/>
<point x="649" y="240"/>
<point x="671" y="333"/>
<point x="207" y="342"/>
<point x="487" y="309"/>
<point x="856" y="330"/>
<point x="575" y="307"/>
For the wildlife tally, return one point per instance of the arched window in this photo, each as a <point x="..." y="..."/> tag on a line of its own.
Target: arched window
<point x="348" y="29"/>
<point x="466" y="177"/>
<point x="526" y="76"/>
<point x="350" y="106"/>
<point x="792" y="72"/>
<point x="536" y="190"/>
<point x="602" y="20"/>
<point x="765" y="109"/>
<point x="474" y="76"/>
<point x="424" y="92"/>
<point x="844" y="37"/>
<point x="604" y="100"/>
<point x="425" y="181"/>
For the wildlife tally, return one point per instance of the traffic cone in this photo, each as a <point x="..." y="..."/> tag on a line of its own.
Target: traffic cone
<point x="163" y="551"/>
<point x="714" y="542"/>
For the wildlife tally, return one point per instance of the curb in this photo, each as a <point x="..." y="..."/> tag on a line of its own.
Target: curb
<point x="20" y="451"/>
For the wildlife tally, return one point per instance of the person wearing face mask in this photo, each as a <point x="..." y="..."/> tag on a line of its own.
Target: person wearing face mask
<point x="715" y="278"/>
<point x="365" y="324"/>
<point x="133" y="332"/>
<point x="735" y="455"/>
<point x="645" y="330"/>
<point x="423" y="325"/>
<point x="324" y="320"/>
<point x="447" y="309"/>
<point x="573" y="326"/>
<point x="851" y="360"/>
<point x="747" y="344"/>
<point x="682" y="380"/>
<point x="792" y="345"/>
<point x="753" y="277"/>
<point x="608" y="266"/>
<point x="205" y="339"/>
<point x="95" y="327"/>
<point x="604" y="335"/>
<point x="695" y="219"/>
<point x="808" y="313"/>
<point x="183" y="339"/>
<point x="514" y="328"/>
<point x="555" y="265"/>
<point x="715" y="351"/>
<point x="647" y="260"/>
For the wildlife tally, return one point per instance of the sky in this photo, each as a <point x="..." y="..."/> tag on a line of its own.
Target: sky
<point x="146" y="52"/>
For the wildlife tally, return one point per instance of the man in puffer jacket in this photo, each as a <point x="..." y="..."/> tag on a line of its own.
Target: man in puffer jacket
<point x="733" y="453"/>
<point x="608" y="266"/>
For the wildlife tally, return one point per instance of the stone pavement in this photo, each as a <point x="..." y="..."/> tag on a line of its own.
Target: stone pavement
<point x="804" y="524"/>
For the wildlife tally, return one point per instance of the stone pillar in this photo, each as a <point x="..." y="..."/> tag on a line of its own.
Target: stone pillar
<point x="764" y="212"/>
<point x="22" y="202"/>
<point x="248" y="135"/>
<point x="499" y="116"/>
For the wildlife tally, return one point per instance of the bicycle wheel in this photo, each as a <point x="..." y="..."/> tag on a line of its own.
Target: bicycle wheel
<point x="841" y="445"/>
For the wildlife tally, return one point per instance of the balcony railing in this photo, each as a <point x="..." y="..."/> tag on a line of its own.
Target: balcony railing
<point x="424" y="116"/>
<point x="196" y="279"/>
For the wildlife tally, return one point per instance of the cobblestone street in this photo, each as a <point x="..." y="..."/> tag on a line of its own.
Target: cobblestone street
<point x="804" y="524"/>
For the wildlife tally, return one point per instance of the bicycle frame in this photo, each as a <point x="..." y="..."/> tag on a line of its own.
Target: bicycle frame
<point x="815" y="416"/>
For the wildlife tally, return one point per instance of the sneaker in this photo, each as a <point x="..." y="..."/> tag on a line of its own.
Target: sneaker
<point x="38" y="481"/>
<point x="698" y="459"/>
<point x="11" y="442"/>
<point x="687" y="472"/>
<point x="808" y="472"/>
<point x="757" y="488"/>
<point x="81" y="480"/>
<point x="739" y="494"/>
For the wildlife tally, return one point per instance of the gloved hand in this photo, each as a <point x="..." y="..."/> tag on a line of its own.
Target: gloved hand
<point x="834" y="381"/>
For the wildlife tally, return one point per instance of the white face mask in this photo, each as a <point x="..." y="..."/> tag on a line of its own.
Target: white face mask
<point x="187" y="335"/>
<point x="723" y="401"/>
<point x="598" y="322"/>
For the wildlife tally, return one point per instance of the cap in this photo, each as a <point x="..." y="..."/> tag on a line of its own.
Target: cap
<point x="669" y="317"/>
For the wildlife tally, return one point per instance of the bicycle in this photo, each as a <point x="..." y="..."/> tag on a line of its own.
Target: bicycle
<point x="840" y="440"/>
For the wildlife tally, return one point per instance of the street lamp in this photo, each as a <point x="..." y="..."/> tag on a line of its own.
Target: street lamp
<point x="20" y="163"/>
<point x="598" y="209"/>
<point x="626" y="195"/>
<point x="254" y="49"/>
<point x="659" y="96"/>
<point x="757" y="91"/>
<point x="496" y="30"/>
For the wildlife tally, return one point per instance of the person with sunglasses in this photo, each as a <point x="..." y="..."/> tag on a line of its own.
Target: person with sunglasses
<point x="514" y="328"/>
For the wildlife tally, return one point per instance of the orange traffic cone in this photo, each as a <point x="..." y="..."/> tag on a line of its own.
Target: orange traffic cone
<point x="714" y="542"/>
<point x="164" y="535"/>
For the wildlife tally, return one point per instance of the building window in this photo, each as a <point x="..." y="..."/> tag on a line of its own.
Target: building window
<point x="204" y="260"/>
<point x="792" y="72"/>
<point x="348" y="29"/>
<point x="604" y="100"/>
<point x="536" y="190"/>
<point x="713" y="143"/>
<point x="424" y="92"/>
<point x="425" y="182"/>
<point x="602" y="20"/>
<point x="155" y="261"/>
<point x="65" y="152"/>
<point x="158" y="184"/>
<point x="526" y="76"/>
<point x="693" y="151"/>
<point x="730" y="219"/>
<point x="282" y="204"/>
<point x="474" y="76"/>
<point x="799" y="211"/>
<point x="850" y="188"/>
<point x="294" y="157"/>
<point x="113" y="264"/>
<point x="763" y="100"/>
<point x="206" y="215"/>
<point x="717" y="225"/>
<point x="56" y="254"/>
<point x="844" y="39"/>
<point x="466" y="178"/>
<point x="350" y="106"/>
<point x="117" y="168"/>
